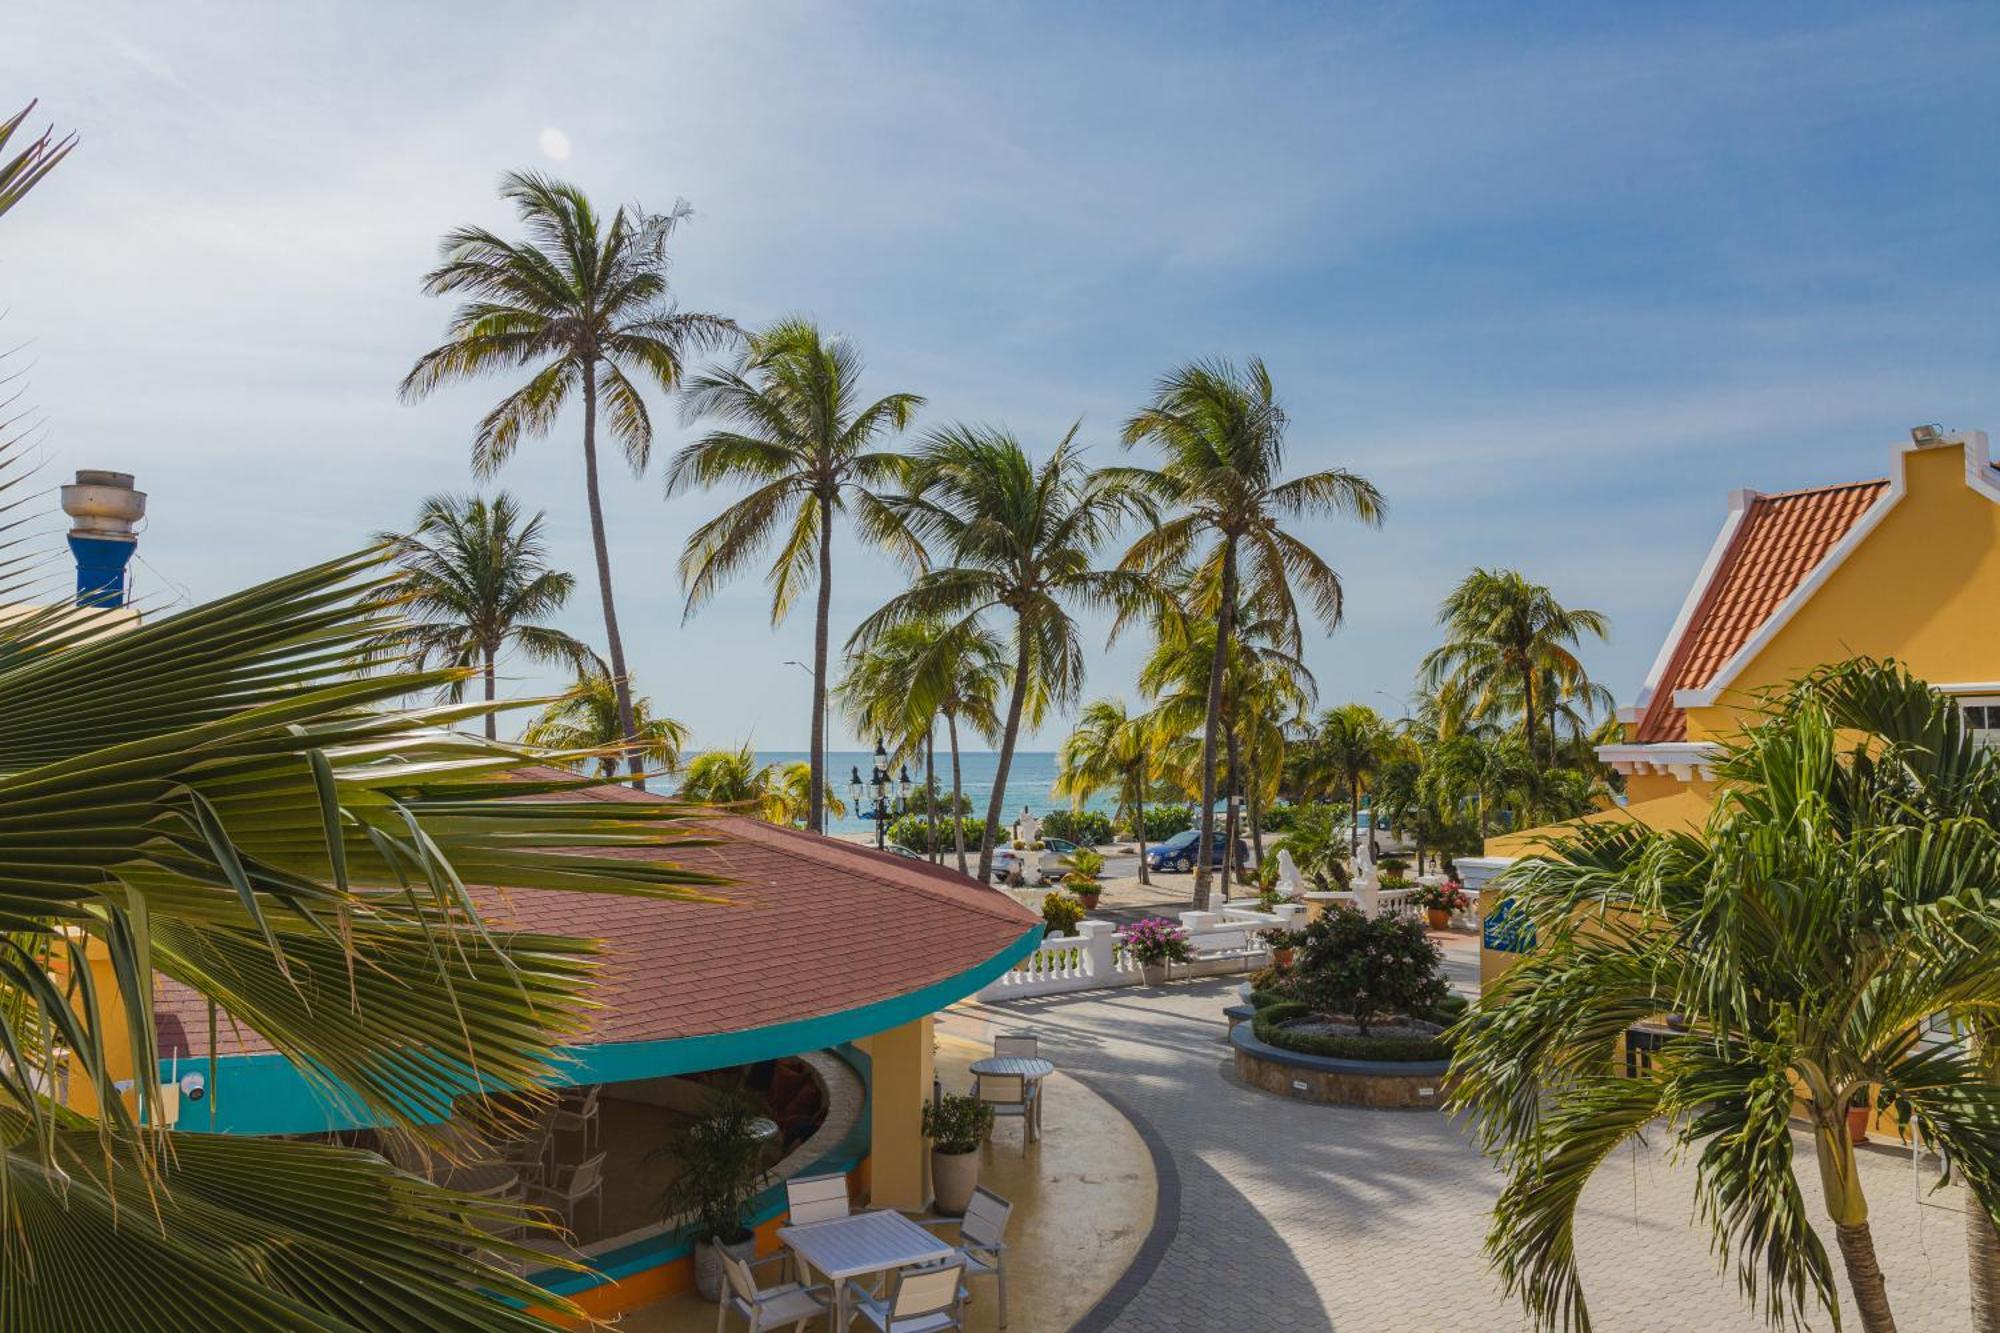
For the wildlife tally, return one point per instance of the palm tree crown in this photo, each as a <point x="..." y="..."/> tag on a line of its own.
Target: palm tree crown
<point x="475" y="581"/>
<point x="1220" y="432"/>
<point x="586" y="719"/>
<point x="793" y="429"/>
<point x="1019" y="537"/>
<point x="584" y="302"/>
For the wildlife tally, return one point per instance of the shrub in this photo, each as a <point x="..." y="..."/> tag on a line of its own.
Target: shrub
<point x="1157" y="940"/>
<point x="1318" y="842"/>
<point x="1369" y="968"/>
<point x="1279" y="818"/>
<point x="1163" y="821"/>
<point x="913" y="832"/>
<point x="1061" y="911"/>
<point x="1393" y="865"/>
<point x="1087" y="828"/>
<point x="1446" y="897"/>
<point x="1268" y="1024"/>
<point x="1087" y="862"/>
<point x="956" y="1123"/>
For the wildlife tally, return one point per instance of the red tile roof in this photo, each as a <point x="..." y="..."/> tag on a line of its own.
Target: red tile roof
<point x="812" y="926"/>
<point x="1779" y="542"/>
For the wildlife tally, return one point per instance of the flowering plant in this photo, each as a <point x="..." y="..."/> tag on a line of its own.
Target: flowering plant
<point x="1157" y="940"/>
<point x="1445" y="897"/>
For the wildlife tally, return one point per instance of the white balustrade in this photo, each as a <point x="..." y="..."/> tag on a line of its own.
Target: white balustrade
<point x="1226" y="941"/>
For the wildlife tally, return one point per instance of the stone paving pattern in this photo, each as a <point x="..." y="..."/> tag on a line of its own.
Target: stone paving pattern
<point x="1301" y="1218"/>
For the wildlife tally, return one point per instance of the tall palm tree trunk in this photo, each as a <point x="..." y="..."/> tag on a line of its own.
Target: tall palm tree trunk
<point x="957" y="790"/>
<point x="1231" y="870"/>
<point x="1253" y="801"/>
<point x="613" y="641"/>
<point x="1007" y="739"/>
<point x="1864" y="1277"/>
<point x="930" y="793"/>
<point x="1224" y="624"/>
<point x="1354" y="817"/>
<point x="1840" y="1182"/>
<point x="1982" y="1244"/>
<point x="1139" y="824"/>
<point x="816" y="802"/>
<point x="487" y="674"/>
<point x="1528" y="708"/>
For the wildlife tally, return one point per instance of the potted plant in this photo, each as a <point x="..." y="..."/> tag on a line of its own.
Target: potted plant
<point x="1060" y="913"/>
<point x="1085" y="865"/>
<point x="721" y="1163"/>
<point x="1859" y="1112"/>
<point x="1441" y="901"/>
<point x="1284" y="947"/>
<point x="955" y="1125"/>
<point x="1156" y="942"/>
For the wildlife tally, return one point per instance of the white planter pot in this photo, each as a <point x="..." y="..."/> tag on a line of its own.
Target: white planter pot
<point x="708" y="1279"/>
<point x="954" y="1175"/>
<point x="1154" y="974"/>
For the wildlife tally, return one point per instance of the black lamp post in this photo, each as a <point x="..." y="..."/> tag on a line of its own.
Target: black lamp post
<point x="878" y="789"/>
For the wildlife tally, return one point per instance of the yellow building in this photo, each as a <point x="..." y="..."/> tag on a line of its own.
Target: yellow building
<point x="1906" y="566"/>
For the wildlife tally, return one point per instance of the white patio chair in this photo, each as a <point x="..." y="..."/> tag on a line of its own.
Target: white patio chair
<point x="816" y="1199"/>
<point x="920" y="1300"/>
<point x="572" y="1185"/>
<point x="1012" y="1095"/>
<point x="982" y="1239"/>
<point x="578" y="1115"/>
<point x="1024" y="1044"/>
<point x="767" y="1307"/>
<point x="530" y="1156"/>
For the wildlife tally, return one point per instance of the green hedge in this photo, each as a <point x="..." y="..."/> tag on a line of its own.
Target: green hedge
<point x="913" y="832"/>
<point x="1412" y="1050"/>
<point x="1087" y="827"/>
<point x="1163" y="821"/>
<point x="1279" y="817"/>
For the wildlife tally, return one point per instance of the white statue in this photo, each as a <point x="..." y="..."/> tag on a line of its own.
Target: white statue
<point x="1367" y="892"/>
<point x="1028" y="828"/>
<point x="1291" y="883"/>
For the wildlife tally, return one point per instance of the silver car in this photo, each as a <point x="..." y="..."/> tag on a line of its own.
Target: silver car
<point x="1056" y="863"/>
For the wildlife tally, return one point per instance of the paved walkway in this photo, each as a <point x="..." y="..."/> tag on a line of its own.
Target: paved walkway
<point x="1302" y="1218"/>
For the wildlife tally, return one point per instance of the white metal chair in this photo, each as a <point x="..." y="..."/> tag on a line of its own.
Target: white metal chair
<point x="578" y="1115"/>
<point x="1012" y="1095"/>
<point x="530" y="1156"/>
<point x="572" y="1185"/>
<point x="1024" y="1044"/>
<point x="982" y="1239"/>
<point x="767" y="1307"/>
<point x="920" y="1300"/>
<point x="816" y="1199"/>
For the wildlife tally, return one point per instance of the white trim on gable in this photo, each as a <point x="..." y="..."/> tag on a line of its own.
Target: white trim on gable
<point x="1978" y="477"/>
<point x="1739" y="504"/>
<point x="1686" y="760"/>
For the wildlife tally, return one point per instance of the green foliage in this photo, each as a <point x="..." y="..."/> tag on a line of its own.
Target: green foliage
<point x="1369" y="967"/>
<point x="956" y="1123"/>
<point x="719" y="1160"/>
<point x="1061" y="911"/>
<point x="914" y="832"/>
<point x="585" y="718"/>
<point x="1086" y="828"/>
<point x="1318" y="841"/>
<point x="1268" y="1024"/>
<point x="1162" y="822"/>
<point x="1393" y="865"/>
<point x="1278" y="817"/>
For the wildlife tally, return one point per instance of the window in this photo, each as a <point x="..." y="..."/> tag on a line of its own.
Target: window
<point x="1983" y="717"/>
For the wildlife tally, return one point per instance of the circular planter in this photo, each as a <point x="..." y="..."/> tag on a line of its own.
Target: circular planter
<point x="1388" y="1084"/>
<point x="708" y="1263"/>
<point x="954" y="1175"/>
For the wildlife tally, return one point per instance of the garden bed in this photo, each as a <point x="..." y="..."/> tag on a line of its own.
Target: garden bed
<point x="1403" y="1084"/>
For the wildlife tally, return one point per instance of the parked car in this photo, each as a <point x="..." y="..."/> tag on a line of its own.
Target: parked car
<point x="1178" y="852"/>
<point x="1055" y="861"/>
<point x="898" y="849"/>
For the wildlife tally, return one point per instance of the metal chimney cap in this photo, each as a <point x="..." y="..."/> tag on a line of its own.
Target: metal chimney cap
<point x="103" y="504"/>
<point x="91" y="476"/>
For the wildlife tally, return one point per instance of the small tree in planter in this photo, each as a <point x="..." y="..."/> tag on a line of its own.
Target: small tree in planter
<point x="956" y="1125"/>
<point x="1060" y="913"/>
<point x="1284" y="945"/>
<point x="1369" y="968"/>
<point x="721" y="1160"/>
<point x="1154" y="943"/>
<point x="1085" y="865"/>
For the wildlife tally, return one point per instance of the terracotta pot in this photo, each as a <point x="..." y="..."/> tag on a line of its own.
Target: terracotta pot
<point x="1154" y="974"/>
<point x="1439" y="918"/>
<point x="1089" y="899"/>
<point x="1281" y="958"/>
<point x="954" y="1175"/>
<point x="708" y="1280"/>
<point x="1857" y="1123"/>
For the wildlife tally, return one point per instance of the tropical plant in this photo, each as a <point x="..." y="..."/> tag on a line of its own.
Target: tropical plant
<point x="1221" y="434"/>
<point x="1154" y="940"/>
<point x="1369" y="968"/>
<point x="1482" y="775"/>
<point x="585" y="719"/>
<point x="1060" y="912"/>
<point x="1160" y="822"/>
<point x="1108" y="748"/>
<point x="1020" y="537"/>
<point x="585" y="302"/>
<point x="718" y="1164"/>
<point x="1837" y="903"/>
<point x="795" y="432"/>
<point x="788" y="796"/>
<point x="230" y="801"/>
<point x="19" y="174"/>
<point x="1505" y="637"/>
<point x="916" y="832"/>
<point x="474" y="580"/>
<point x="1349" y="743"/>
<point x="1086" y="828"/>
<point x="956" y="1124"/>
<point x="1318" y="844"/>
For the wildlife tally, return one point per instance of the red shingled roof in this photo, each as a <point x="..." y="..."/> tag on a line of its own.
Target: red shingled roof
<point x="1779" y="542"/>
<point x="812" y="926"/>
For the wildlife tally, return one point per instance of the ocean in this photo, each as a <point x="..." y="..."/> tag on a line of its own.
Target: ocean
<point x="1029" y="779"/>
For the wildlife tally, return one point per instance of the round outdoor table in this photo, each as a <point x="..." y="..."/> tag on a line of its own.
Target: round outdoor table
<point x="492" y="1180"/>
<point x="1030" y="1067"/>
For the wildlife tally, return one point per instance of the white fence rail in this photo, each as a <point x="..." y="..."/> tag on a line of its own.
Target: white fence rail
<point x="1095" y="957"/>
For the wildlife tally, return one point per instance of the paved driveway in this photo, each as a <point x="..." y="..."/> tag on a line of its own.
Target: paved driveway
<point x="1310" y="1218"/>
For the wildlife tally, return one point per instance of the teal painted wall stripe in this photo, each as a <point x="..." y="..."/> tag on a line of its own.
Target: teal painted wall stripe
<point x="265" y="1093"/>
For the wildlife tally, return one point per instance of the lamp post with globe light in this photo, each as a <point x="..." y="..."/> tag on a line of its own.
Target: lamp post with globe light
<point x="878" y="789"/>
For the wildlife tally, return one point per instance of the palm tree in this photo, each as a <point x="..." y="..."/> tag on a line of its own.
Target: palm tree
<point x="1479" y="772"/>
<point x="1110" y="748"/>
<point x="1835" y="905"/>
<point x="475" y="580"/>
<point x="1221" y="434"/>
<point x="1504" y="636"/>
<point x="779" y="792"/>
<point x="1349" y="743"/>
<point x="1021" y="538"/>
<point x="19" y="173"/>
<point x="794" y="431"/>
<point x="586" y="719"/>
<point x="586" y="303"/>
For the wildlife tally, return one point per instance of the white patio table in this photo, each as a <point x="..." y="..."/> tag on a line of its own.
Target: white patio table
<point x="860" y="1244"/>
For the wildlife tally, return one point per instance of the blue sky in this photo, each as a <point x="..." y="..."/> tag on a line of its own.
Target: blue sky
<point x="1556" y="278"/>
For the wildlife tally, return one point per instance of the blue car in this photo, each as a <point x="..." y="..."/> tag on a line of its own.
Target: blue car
<point x="1178" y="852"/>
